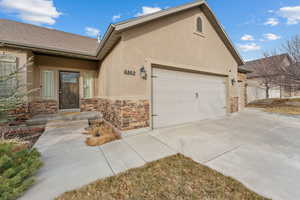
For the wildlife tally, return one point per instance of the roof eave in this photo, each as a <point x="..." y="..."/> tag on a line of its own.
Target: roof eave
<point x="147" y="18"/>
<point x="114" y="29"/>
<point x="46" y="50"/>
<point x="228" y="41"/>
<point x="110" y="31"/>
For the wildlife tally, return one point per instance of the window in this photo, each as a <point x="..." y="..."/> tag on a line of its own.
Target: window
<point x="8" y="75"/>
<point x="199" y="25"/>
<point x="87" y="85"/>
<point x="48" y="84"/>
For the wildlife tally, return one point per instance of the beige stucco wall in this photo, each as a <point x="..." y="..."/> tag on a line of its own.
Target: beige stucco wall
<point x="110" y="72"/>
<point x="56" y="64"/>
<point x="171" y="41"/>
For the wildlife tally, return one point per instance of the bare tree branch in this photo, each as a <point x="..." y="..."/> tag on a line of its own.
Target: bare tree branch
<point x="265" y="70"/>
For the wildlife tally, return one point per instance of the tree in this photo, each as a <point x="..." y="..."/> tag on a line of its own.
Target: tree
<point x="292" y="47"/>
<point x="292" y="72"/>
<point x="12" y="90"/>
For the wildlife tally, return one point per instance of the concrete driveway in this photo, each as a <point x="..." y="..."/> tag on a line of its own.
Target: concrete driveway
<point x="259" y="149"/>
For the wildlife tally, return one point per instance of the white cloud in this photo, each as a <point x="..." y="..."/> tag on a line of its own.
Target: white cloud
<point x="92" y="32"/>
<point x="272" y="22"/>
<point x="247" y="37"/>
<point x="292" y="14"/>
<point x="271" y="36"/>
<point x="116" y="17"/>
<point x="32" y="11"/>
<point x="148" y="10"/>
<point x="249" y="47"/>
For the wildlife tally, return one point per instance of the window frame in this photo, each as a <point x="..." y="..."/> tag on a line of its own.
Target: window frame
<point x="199" y="22"/>
<point x="13" y="82"/>
<point x="52" y="95"/>
<point x="88" y="76"/>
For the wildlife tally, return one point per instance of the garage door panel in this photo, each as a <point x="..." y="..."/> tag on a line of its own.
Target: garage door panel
<point x="180" y="97"/>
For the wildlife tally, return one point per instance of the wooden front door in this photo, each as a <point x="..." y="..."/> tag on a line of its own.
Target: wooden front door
<point x="68" y="90"/>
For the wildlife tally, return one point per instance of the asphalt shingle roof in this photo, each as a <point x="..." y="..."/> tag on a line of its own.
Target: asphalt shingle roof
<point x="27" y="34"/>
<point x="255" y="64"/>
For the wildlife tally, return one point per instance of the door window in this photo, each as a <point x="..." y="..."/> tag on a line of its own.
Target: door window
<point x="69" y="77"/>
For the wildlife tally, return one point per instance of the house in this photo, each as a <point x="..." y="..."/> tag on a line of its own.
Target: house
<point x="171" y="67"/>
<point x="256" y="88"/>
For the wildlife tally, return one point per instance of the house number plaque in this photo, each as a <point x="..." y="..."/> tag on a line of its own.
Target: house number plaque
<point x="129" y="72"/>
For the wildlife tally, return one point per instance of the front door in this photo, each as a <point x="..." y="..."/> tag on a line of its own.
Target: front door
<point x="68" y="90"/>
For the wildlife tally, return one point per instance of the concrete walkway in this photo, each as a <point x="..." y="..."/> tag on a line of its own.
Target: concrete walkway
<point x="69" y="163"/>
<point x="261" y="150"/>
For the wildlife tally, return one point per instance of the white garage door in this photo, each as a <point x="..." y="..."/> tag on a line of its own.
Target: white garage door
<point x="180" y="97"/>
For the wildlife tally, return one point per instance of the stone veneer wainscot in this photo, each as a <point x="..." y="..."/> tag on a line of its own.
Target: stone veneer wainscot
<point x="43" y="107"/>
<point x="123" y="114"/>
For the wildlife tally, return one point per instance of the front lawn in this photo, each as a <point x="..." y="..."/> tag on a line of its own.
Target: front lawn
<point x="281" y="106"/>
<point x="175" y="177"/>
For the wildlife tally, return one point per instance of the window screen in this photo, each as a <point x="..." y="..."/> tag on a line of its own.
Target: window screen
<point x="48" y="84"/>
<point x="8" y="75"/>
<point x="87" y="85"/>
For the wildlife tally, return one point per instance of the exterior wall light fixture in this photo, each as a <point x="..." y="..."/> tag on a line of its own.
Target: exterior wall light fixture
<point x="233" y="81"/>
<point x="143" y="73"/>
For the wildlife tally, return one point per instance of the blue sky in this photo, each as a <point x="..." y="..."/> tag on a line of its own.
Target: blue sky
<point x="254" y="26"/>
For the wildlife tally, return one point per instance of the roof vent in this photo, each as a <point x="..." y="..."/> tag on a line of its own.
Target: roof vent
<point x="98" y="38"/>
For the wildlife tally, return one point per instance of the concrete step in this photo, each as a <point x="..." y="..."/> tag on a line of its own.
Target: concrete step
<point x="43" y="119"/>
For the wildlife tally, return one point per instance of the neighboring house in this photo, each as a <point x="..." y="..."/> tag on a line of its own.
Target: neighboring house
<point x="162" y="69"/>
<point x="255" y="87"/>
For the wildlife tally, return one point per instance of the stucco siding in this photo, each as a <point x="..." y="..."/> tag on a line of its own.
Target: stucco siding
<point x="171" y="39"/>
<point x="110" y="73"/>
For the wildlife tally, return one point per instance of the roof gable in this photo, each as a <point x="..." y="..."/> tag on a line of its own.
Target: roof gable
<point x="51" y="41"/>
<point x="112" y="34"/>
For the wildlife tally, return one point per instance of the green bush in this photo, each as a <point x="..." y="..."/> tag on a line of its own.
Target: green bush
<point x="17" y="166"/>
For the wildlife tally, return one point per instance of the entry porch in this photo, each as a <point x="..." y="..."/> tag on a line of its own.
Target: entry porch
<point x="60" y="84"/>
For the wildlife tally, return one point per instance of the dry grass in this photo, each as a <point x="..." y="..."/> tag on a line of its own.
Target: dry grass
<point x="290" y="110"/>
<point x="173" y="178"/>
<point x="281" y="106"/>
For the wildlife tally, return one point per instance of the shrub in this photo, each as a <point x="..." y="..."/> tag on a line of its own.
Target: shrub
<point x="17" y="166"/>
